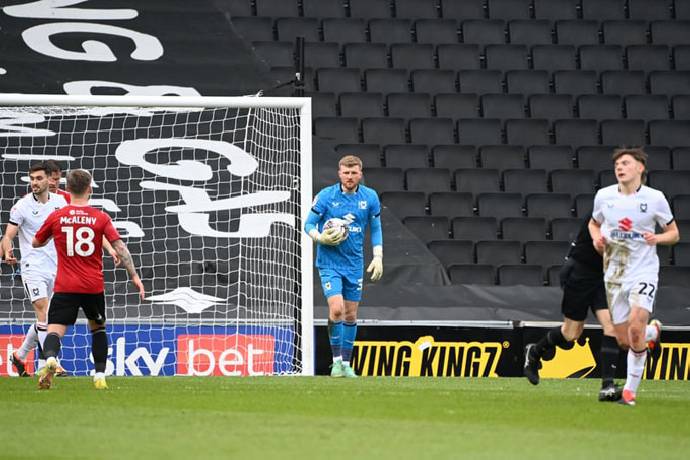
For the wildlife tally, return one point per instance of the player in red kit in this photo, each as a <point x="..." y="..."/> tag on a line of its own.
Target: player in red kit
<point x="78" y="231"/>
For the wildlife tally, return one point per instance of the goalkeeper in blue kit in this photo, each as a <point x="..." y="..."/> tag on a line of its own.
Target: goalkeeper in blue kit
<point x="349" y="207"/>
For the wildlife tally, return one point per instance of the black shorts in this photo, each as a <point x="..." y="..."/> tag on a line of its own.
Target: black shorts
<point x="583" y="289"/>
<point x="64" y="307"/>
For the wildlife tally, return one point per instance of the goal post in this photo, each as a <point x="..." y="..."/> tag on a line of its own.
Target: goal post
<point x="210" y="195"/>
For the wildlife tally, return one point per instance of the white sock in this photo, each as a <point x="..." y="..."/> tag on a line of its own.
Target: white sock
<point x="30" y="341"/>
<point x="346" y="363"/>
<point x="337" y="358"/>
<point x="42" y="332"/>
<point x="99" y="375"/>
<point x="650" y="333"/>
<point x="636" y="362"/>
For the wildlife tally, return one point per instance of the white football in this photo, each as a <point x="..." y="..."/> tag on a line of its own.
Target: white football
<point x="336" y="222"/>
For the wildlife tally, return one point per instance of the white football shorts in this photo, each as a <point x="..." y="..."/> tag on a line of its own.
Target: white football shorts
<point x="622" y="297"/>
<point x="38" y="286"/>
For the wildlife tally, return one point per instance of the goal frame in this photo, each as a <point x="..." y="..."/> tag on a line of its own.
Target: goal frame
<point x="303" y="104"/>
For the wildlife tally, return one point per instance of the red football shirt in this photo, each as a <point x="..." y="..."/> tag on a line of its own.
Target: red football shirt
<point x="66" y="195"/>
<point x="78" y="235"/>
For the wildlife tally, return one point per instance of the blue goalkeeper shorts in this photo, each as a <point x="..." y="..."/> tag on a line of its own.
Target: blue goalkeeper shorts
<point x="347" y="284"/>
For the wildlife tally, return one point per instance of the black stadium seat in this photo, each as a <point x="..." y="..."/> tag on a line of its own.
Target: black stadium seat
<point x="525" y="181"/>
<point x="383" y="131"/>
<point x="475" y="228"/>
<point x="577" y="32"/>
<point x="384" y="179"/>
<point x="648" y="57"/>
<point x="370" y="9"/>
<point x="458" y="57"/>
<point x="524" y="275"/>
<point x="451" y="204"/>
<point x="502" y="157"/>
<point x="523" y="228"/>
<point x="527" y="81"/>
<point x="530" y="32"/>
<point x="480" y="81"/>
<point x="556" y="9"/>
<point x="433" y="81"/>
<point x="427" y="228"/>
<point x="451" y="252"/>
<point x="323" y="9"/>
<point x="472" y="274"/>
<point x="483" y="32"/>
<point x="456" y="106"/>
<point x="454" y="157"/>
<point x="600" y="106"/>
<point x="437" y="31"/>
<point x="361" y="105"/>
<point x="546" y="253"/>
<point x="630" y="32"/>
<point x="603" y="9"/>
<point x="428" y="179"/>
<point x="477" y="180"/>
<point x="404" y="204"/>
<point x="390" y="30"/>
<point x="414" y="9"/>
<point x="344" y="30"/>
<point x="409" y="105"/>
<point x="498" y="252"/>
<point x="550" y="157"/>
<point x="431" y="131"/>
<point x="549" y="205"/>
<point x="479" y="131"/>
<point x="406" y="156"/>
<point x="463" y="9"/>
<point x="499" y="205"/>
<point x="387" y="80"/>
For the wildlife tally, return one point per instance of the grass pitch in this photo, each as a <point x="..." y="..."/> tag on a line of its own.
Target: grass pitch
<point x="382" y="418"/>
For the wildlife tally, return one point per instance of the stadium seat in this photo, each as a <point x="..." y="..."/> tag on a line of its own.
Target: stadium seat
<point x="681" y="207"/>
<point x="648" y="57"/>
<point x="291" y="28"/>
<point x="524" y="181"/>
<point x="404" y="204"/>
<point x="432" y="131"/>
<point x="509" y="9"/>
<point x="584" y="203"/>
<point x="451" y="204"/>
<point x="548" y="205"/>
<point x="322" y="104"/>
<point x="503" y="106"/>
<point x="452" y="252"/>
<point x="674" y="276"/>
<point x="456" y="106"/>
<point x="474" y="228"/>
<point x="601" y="57"/>
<point x="361" y="105"/>
<point x="670" y="133"/>
<point x="681" y="158"/>
<point x="366" y="55"/>
<point x="681" y="254"/>
<point x="576" y="132"/>
<point x="458" y="57"/>
<point x="599" y="106"/>
<point x="623" y="132"/>
<point x="553" y="275"/>
<point x="370" y="154"/>
<point x="387" y="80"/>
<point x="454" y="157"/>
<point x="324" y="9"/>
<point x="506" y="57"/>
<point x="321" y="54"/>
<point x="546" y="253"/>
<point x="254" y="29"/>
<point x="463" y="9"/>
<point x="277" y="8"/>
<point x="384" y="179"/>
<point x="527" y="81"/>
<point x="427" y="228"/>
<point x="530" y="32"/>
<point x="670" y="33"/>
<point x="483" y="32"/>
<point x="623" y="82"/>
<point x="672" y="183"/>
<point x="527" y="132"/>
<point x="554" y="57"/>
<point x="414" y="9"/>
<point x="575" y="82"/>
<point x="595" y="157"/>
<point x="502" y="157"/>
<point x="550" y="157"/>
<point x="646" y="107"/>
<point x="556" y="9"/>
<point x="624" y="33"/>
<point x="523" y="275"/>
<point x="428" y="180"/>
<point x="572" y="181"/>
<point x="681" y="107"/>
<point x="343" y="30"/>
<point x="480" y="81"/>
<point x="433" y="81"/>
<point x="649" y="10"/>
<point x="238" y="8"/>
<point x="523" y="228"/>
<point x="477" y="180"/>
<point x="551" y="106"/>
<point x="343" y="129"/>
<point x="498" y="252"/>
<point x="383" y="131"/>
<point x="565" y="229"/>
<point x="659" y="157"/>
<point x="601" y="10"/>
<point x="409" y="105"/>
<point x="669" y="83"/>
<point x="370" y="9"/>
<point x="437" y="31"/>
<point x="276" y="54"/>
<point x="472" y="274"/>
<point x="406" y="156"/>
<point x="479" y="131"/>
<point x="390" y="31"/>
<point x="339" y="80"/>
<point x="499" y="205"/>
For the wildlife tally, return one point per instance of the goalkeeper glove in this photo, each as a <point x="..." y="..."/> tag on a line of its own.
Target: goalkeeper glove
<point x="330" y="237"/>
<point x="376" y="265"/>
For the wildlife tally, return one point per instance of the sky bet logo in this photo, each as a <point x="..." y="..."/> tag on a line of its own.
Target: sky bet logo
<point x="229" y="355"/>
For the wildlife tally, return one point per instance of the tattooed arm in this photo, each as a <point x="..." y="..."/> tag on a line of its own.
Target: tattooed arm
<point x="128" y="263"/>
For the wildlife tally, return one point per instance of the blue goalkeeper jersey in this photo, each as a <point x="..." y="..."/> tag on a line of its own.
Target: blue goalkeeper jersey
<point x="360" y="208"/>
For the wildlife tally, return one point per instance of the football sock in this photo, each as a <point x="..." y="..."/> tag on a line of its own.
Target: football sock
<point x="349" y="334"/>
<point x="99" y="348"/>
<point x="609" y="359"/>
<point x="29" y="343"/>
<point x="335" y="336"/>
<point x="51" y="345"/>
<point x="636" y="360"/>
<point x="553" y="338"/>
<point x="650" y="333"/>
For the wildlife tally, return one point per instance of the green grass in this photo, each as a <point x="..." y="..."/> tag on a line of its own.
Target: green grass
<point x="382" y="418"/>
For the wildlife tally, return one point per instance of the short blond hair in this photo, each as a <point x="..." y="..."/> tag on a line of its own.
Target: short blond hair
<point x="349" y="161"/>
<point x="637" y="153"/>
<point x="78" y="181"/>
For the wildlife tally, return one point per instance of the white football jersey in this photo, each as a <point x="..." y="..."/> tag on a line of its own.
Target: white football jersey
<point x="624" y="219"/>
<point x="29" y="214"/>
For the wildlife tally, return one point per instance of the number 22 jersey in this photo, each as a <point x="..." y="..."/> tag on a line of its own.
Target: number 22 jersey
<point x="78" y="232"/>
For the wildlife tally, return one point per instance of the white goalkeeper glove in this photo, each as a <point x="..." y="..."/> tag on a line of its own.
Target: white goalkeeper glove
<point x="376" y="265"/>
<point x="330" y="237"/>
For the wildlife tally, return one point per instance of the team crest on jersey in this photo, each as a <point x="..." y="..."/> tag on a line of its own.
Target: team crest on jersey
<point x="71" y="212"/>
<point x="643" y="207"/>
<point x="34" y="212"/>
<point x="35" y="291"/>
<point x="362" y="205"/>
<point x="327" y="285"/>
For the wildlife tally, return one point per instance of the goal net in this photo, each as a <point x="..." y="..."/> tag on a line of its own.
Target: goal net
<point x="209" y="194"/>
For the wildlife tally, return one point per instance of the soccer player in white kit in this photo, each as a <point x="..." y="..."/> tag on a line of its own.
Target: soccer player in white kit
<point x="38" y="266"/>
<point x="623" y="230"/>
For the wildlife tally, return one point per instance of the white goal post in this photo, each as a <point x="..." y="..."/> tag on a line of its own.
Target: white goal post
<point x="210" y="195"/>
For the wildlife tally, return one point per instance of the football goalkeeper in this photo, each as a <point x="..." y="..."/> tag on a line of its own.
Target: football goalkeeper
<point x="340" y="254"/>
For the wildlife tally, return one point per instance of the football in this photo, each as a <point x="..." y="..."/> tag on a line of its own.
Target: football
<point x="338" y="223"/>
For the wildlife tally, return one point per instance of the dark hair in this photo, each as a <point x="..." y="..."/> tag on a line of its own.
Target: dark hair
<point x="52" y="166"/>
<point x="38" y="167"/>
<point x="78" y="181"/>
<point x="637" y="153"/>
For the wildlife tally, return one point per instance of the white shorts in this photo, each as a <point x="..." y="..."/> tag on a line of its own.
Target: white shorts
<point x="622" y="297"/>
<point x="38" y="286"/>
